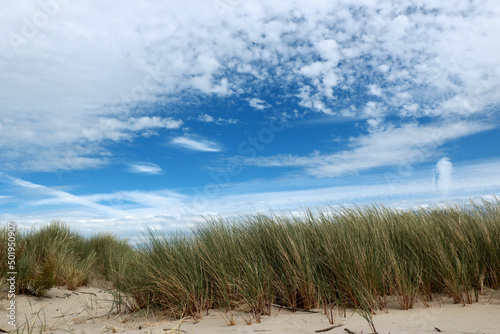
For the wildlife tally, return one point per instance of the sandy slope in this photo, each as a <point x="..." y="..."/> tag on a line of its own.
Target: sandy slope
<point x="87" y="311"/>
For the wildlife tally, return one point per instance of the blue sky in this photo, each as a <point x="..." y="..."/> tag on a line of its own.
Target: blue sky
<point x="125" y="114"/>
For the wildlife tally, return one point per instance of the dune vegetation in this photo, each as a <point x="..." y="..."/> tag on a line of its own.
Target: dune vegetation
<point x="54" y="255"/>
<point x="358" y="258"/>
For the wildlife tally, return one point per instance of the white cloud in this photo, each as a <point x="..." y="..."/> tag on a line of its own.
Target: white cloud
<point x="49" y="142"/>
<point x="219" y="121"/>
<point x="69" y="69"/>
<point x="59" y="197"/>
<point x="205" y="118"/>
<point x="196" y="145"/>
<point x="374" y="89"/>
<point x="408" y="144"/>
<point x="115" y="129"/>
<point x="258" y="103"/>
<point x="151" y="50"/>
<point x="144" y="168"/>
<point x="444" y="169"/>
<point x="126" y="212"/>
<point x="328" y="49"/>
<point x="224" y="121"/>
<point x="205" y="84"/>
<point x="313" y="70"/>
<point x="374" y="109"/>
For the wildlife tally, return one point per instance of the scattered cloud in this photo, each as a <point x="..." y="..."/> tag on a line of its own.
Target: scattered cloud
<point x="419" y="60"/>
<point x="225" y="121"/>
<point x="375" y="90"/>
<point x="258" y="103"/>
<point x="144" y="168"/>
<point x="59" y="142"/>
<point x="219" y="121"/>
<point x="205" y="118"/>
<point x="202" y="145"/>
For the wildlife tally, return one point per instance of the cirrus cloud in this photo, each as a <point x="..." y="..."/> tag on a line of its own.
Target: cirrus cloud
<point x="190" y="143"/>
<point x="144" y="168"/>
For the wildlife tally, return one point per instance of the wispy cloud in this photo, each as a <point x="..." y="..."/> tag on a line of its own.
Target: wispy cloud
<point x="167" y="209"/>
<point x="144" y="168"/>
<point x="40" y="195"/>
<point x="116" y="130"/>
<point x="51" y="142"/>
<point x="408" y="144"/>
<point x="196" y="144"/>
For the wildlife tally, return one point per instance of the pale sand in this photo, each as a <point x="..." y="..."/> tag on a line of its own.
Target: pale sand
<point x="87" y="311"/>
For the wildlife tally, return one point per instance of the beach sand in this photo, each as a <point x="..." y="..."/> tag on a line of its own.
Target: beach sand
<point x="87" y="310"/>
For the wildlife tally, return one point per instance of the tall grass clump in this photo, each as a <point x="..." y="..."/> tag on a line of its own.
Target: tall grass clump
<point x="168" y="273"/>
<point x="237" y="277"/>
<point x="51" y="255"/>
<point x="358" y="258"/>
<point x="54" y="255"/>
<point x="113" y="257"/>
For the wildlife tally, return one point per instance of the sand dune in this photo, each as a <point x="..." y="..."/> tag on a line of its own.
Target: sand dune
<point x="87" y="310"/>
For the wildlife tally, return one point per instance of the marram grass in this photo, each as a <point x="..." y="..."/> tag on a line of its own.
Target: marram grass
<point x="357" y="258"/>
<point x="55" y="255"/>
<point x="349" y="258"/>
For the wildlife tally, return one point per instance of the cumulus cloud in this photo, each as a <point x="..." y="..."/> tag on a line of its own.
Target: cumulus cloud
<point x="144" y="168"/>
<point x="68" y="69"/>
<point x="202" y="145"/>
<point x="205" y="118"/>
<point x="325" y="46"/>
<point x="258" y="103"/>
<point x="225" y="121"/>
<point x="374" y="89"/>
